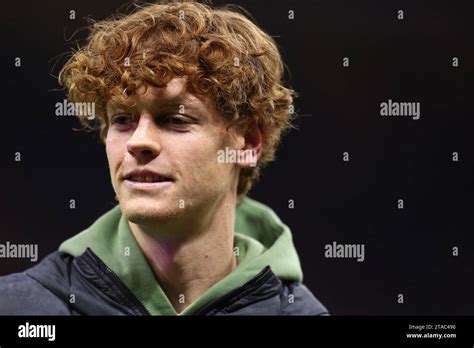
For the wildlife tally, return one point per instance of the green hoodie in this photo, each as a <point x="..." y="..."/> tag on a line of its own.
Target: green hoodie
<point x="262" y="240"/>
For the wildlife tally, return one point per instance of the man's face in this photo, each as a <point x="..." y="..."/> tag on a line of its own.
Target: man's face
<point x="162" y="154"/>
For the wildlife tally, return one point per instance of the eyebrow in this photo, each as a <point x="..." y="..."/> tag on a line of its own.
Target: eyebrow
<point x="175" y="102"/>
<point x="170" y="103"/>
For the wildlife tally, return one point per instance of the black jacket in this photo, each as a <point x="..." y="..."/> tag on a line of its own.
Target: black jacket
<point x="62" y="284"/>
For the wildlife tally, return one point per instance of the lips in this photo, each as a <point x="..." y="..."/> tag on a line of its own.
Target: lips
<point x="146" y="176"/>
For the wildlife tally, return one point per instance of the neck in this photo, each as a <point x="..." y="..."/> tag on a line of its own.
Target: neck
<point x="190" y="256"/>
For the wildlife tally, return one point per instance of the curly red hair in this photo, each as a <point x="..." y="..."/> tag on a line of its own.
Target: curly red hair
<point x="222" y="53"/>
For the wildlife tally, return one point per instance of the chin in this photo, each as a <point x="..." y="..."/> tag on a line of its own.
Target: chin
<point x="145" y="212"/>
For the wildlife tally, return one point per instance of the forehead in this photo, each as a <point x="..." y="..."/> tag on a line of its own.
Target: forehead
<point x="173" y="95"/>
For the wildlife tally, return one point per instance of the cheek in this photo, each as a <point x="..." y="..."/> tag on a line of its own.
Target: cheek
<point x="114" y="151"/>
<point x="202" y="159"/>
<point x="109" y="150"/>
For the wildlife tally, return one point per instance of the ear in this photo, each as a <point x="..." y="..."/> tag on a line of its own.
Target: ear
<point x="251" y="145"/>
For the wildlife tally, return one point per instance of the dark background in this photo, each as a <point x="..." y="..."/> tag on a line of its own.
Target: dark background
<point x="407" y="251"/>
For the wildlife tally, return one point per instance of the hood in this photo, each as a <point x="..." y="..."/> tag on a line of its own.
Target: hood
<point x="262" y="240"/>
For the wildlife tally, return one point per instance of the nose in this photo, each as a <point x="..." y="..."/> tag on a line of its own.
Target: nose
<point x="143" y="144"/>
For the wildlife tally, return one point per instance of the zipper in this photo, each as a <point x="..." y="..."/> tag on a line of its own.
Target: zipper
<point x="126" y="292"/>
<point x="260" y="279"/>
<point x="257" y="281"/>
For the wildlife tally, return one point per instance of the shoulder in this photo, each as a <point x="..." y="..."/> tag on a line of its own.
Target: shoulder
<point x="297" y="299"/>
<point x="23" y="294"/>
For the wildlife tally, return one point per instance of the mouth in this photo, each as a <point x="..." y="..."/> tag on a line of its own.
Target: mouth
<point x="146" y="180"/>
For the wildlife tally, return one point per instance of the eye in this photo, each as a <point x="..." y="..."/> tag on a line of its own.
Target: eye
<point x="174" y="122"/>
<point x="122" y="119"/>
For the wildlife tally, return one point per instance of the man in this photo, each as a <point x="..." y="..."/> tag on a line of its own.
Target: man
<point x="190" y="106"/>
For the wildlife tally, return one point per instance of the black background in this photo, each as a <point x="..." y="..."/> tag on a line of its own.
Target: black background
<point x="408" y="251"/>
